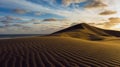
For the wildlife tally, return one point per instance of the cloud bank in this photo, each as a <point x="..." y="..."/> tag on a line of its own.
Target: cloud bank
<point x="28" y="14"/>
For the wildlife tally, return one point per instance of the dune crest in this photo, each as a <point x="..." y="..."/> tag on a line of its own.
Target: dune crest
<point x="85" y="31"/>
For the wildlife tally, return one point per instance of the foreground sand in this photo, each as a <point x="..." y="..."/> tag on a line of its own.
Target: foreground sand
<point x="58" y="52"/>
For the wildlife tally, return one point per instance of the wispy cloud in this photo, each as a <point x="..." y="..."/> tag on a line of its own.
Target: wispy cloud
<point x="20" y="11"/>
<point x="69" y="2"/>
<point x="11" y="19"/>
<point x="96" y="4"/>
<point x="38" y="13"/>
<point x="50" y="19"/>
<point x="105" y="10"/>
<point x="23" y="4"/>
<point x="108" y="12"/>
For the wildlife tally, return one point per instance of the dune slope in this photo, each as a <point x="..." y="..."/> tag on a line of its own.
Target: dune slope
<point x="85" y="31"/>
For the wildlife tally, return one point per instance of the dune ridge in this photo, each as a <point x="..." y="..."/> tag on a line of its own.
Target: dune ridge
<point x="85" y="31"/>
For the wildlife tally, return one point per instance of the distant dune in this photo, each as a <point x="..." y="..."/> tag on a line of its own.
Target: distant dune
<point x="77" y="46"/>
<point x="85" y="31"/>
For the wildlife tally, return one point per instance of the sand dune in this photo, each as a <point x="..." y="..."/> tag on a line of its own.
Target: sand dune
<point x="85" y="31"/>
<point x="62" y="51"/>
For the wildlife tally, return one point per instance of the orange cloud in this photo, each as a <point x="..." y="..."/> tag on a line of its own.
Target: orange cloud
<point x="112" y="22"/>
<point x="108" y="12"/>
<point x="115" y="20"/>
<point x="96" y="4"/>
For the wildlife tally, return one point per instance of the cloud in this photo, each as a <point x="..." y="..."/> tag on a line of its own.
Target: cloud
<point x="15" y="22"/>
<point x="1" y="26"/>
<point x="6" y="19"/>
<point x="24" y="4"/>
<point x="6" y="26"/>
<point x="96" y="4"/>
<point x="15" y="28"/>
<point x="38" y="13"/>
<point x="50" y="19"/>
<point x="76" y="15"/>
<point x="35" y="21"/>
<point x="69" y="2"/>
<point x="10" y="19"/>
<point x="20" y="11"/>
<point x="112" y="22"/>
<point x="17" y="25"/>
<point x="22" y="26"/>
<point x="66" y="2"/>
<point x="108" y="12"/>
<point x="114" y="19"/>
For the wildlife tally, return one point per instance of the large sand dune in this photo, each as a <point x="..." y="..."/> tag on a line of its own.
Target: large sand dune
<point x="62" y="51"/>
<point x="85" y="31"/>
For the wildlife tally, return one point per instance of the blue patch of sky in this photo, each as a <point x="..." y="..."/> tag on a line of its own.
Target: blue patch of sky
<point x="83" y="4"/>
<point x="59" y="2"/>
<point x="5" y="10"/>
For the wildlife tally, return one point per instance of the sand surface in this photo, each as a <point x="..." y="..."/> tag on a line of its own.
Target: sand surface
<point x="58" y="52"/>
<point x="77" y="46"/>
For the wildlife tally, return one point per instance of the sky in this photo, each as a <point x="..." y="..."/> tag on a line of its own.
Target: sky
<point x="48" y="16"/>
